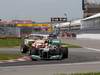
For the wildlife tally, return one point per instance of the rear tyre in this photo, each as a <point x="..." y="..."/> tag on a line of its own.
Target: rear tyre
<point x="65" y="52"/>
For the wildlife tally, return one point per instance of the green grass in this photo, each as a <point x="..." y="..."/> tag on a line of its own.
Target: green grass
<point x="6" y="56"/>
<point x="70" y="45"/>
<point x="80" y="74"/>
<point x="10" y="42"/>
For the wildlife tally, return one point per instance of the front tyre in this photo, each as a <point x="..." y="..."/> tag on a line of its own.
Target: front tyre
<point x="24" y="49"/>
<point x="33" y="51"/>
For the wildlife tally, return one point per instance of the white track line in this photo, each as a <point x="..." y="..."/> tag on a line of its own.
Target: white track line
<point x="92" y="49"/>
<point x="81" y="63"/>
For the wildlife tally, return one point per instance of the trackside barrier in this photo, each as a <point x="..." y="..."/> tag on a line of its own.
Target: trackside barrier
<point x="68" y="35"/>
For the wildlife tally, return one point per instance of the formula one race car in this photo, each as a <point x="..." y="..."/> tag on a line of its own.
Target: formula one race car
<point x="44" y="47"/>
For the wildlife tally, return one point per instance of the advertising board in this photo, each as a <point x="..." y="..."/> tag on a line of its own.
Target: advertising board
<point x="33" y="28"/>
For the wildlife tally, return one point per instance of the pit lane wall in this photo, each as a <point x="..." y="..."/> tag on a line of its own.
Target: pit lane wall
<point x="91" y="25"/>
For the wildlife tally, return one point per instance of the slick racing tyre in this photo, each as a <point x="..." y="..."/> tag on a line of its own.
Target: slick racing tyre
<point x="24" y="49"/>
<point x="65" y="52"/>
<point x="33" y="51"/>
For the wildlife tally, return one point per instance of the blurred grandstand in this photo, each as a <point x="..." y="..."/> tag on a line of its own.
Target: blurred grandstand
<point x="90" y="7"/>
<point x="8" y="27"/>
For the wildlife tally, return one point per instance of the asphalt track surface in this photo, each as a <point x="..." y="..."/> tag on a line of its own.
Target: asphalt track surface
<point x="90" y="43"/>
<point x="81" y="60"/>
<point x="51" y="69"/>
<point x="76" y="55"/>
